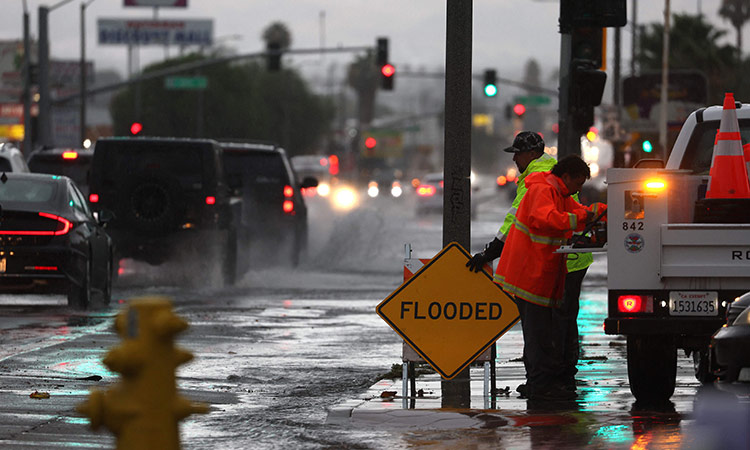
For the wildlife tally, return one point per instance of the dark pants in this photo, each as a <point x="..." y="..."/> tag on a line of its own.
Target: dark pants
<point x="543" y="345"/>
<point x="568" y="314"/>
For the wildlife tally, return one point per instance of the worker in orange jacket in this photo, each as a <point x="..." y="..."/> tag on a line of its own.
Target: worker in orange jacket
<point x="531" y="271"/>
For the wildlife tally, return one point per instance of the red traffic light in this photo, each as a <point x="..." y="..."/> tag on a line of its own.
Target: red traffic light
<point x="136" y="128"/>
<point x="519" y="109"/>
<point x="388" y="70"/>
<point x="370" y="142"/>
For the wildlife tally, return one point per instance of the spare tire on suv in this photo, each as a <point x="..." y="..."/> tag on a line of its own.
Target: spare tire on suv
<point x="168" y="195"/>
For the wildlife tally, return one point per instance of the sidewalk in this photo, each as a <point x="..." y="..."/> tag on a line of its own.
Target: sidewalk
<point x="383" y="404"/>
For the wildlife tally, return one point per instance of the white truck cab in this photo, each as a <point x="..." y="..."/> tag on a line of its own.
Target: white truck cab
<point x="670" y="278"/>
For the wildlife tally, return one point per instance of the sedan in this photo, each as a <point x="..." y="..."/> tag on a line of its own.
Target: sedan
<point x="731" y="359"/>
<point x="51" y="242"/>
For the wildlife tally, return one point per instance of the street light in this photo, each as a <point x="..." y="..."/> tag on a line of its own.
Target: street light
<point x="45" y="122"/>
<point x="82" y="69"/>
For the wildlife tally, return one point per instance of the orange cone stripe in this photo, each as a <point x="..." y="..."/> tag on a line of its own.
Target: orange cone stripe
<point x="728" y="136"/>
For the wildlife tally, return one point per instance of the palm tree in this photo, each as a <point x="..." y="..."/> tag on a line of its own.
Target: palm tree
<point x="737" y="12"/>
<point x="363" y="77"/>
<point x="277" y="33"/>
<point x="694" y="45"/>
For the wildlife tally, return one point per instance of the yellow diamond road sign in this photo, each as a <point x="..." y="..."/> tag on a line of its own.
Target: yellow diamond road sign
<point x="447" y="313"/>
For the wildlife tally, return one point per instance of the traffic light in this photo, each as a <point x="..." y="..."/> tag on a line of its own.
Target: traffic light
<point x="586" y="90"/>
<point x="490" y="83"/>
<point x="647" y="146"/>
<point x="387" y="70"/>
<point x="370" y="143"/>
<point x="589" y="43"/>
<point x="273" y="56"/>
<point x="135" y="128"/>
<point x="519" y="109"/>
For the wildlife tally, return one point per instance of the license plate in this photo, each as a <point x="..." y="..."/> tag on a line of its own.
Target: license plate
<point x="693" y="303"/>
<point x="3" y="265"/>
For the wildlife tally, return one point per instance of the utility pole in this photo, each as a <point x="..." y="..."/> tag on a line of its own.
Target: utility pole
<point x="26" y="95"/>
<point x="456" y="393"/>
<point x="44" y="119"/>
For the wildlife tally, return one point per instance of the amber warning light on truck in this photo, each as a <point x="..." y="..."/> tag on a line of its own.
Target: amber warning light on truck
<point x="655" y="184"/>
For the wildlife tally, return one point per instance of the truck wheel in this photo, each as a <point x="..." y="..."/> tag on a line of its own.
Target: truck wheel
<point x="652" y="367"/>
<point x="702" y="368"/>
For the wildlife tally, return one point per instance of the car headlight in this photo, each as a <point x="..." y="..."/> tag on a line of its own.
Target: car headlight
<point x="743" y="318"/>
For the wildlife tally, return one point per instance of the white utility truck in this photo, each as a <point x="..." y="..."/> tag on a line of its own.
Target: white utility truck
<point x="672" y="266"/>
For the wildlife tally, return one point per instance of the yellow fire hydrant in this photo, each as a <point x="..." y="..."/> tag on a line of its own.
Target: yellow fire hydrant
<point x="143" y="409"/>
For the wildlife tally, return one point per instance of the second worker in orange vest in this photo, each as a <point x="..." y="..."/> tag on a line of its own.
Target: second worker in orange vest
<point x="531" y="271"/>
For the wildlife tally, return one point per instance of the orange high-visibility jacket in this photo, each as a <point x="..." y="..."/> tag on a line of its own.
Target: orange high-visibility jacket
<point x="529" y="268"/>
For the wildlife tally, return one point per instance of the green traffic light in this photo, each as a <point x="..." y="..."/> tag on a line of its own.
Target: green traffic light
<point x="490" y="90"/>
<point x="647" y="146"/>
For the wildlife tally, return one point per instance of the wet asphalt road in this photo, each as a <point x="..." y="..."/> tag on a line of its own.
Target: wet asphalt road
<point x="275" y="352"/>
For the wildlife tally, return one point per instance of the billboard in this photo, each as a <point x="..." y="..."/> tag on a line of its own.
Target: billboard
<point x="155" y="32"/>
<point x="157" y="3"/>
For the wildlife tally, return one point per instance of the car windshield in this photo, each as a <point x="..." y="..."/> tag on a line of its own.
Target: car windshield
<point x="254" y="168"/>
<point x="76" y="169"/>
<point x="700" y="149"/>
<point x="27" y="191"/>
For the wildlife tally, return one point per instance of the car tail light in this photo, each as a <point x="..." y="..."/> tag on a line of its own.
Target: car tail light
<point x="70" y="155"/>
<point x="64" y="225"/>
<point x="288" y="206"/>
<point x="426" y="190"/>
<point x="210" y="200"/>
<point x="288" y="191"/>
<point x="631" y="304"/>
<point x="502" y="180"/>
<point x="93" y="198"/>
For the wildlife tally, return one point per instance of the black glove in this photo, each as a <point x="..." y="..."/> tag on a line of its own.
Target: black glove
<point x="492" y="251"/>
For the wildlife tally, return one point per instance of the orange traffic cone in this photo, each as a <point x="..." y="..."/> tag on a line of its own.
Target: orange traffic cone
<point x="746" y="149"/>
<point x="728" y="175"/>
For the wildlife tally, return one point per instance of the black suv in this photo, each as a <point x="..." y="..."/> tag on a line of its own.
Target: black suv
<point x="274" y="219"/>
<point x="170" y="200"/>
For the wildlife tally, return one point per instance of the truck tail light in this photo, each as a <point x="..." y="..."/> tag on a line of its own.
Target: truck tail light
<point x="210" y="200"/>
<point x="631" y="304"/>
<point x="288" y="205"/>
<point x="93" y="198"/>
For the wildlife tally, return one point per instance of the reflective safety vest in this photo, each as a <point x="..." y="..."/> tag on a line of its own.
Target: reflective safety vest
<point x="545" y="163"/>
<point x="529" y="268"/>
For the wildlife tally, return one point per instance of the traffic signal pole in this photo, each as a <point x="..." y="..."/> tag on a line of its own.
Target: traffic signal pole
<point x="568" y="143"/>
<point x="456" y="393"/>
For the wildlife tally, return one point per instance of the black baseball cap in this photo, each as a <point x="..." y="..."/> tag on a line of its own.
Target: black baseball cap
<point x="526" y="141"/>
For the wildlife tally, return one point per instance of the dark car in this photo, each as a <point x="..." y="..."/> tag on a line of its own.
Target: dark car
<point x="170" y="201"/>
<point x="74" y="163"/>
<point x="50" y="240"/>
<point x="275" y="214"/>
<point x="729" y="345"/>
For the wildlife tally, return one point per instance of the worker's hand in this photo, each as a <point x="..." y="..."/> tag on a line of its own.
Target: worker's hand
<point x="590" y="215"/>
<point x="477" y="261"/>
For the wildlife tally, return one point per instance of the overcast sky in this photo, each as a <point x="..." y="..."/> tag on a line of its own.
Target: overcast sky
<point x="506" y="32"/>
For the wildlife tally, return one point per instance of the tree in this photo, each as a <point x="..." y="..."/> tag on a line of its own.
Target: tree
<point x="241" y="101"/>
<point x="363" y="77"/>
<point x="737" y="12"/>
<point x="277" y="33"/>
<point x="694" y="45"/>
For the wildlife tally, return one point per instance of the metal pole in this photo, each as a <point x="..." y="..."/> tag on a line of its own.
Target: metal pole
<point x="27" y="127"/>
<point x="634" y="38"/>
<point x="44" y="119"/>
<point x="456" y="393"/>
<point x="83" y="75"/>
<point x="664" y="84"/>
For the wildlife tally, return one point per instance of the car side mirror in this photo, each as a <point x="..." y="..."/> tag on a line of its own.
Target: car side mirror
<point x="309" y="182"/>
<point x="104" y="216"/>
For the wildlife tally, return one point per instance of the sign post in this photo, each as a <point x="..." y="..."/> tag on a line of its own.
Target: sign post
<point x="448" y="314"/>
